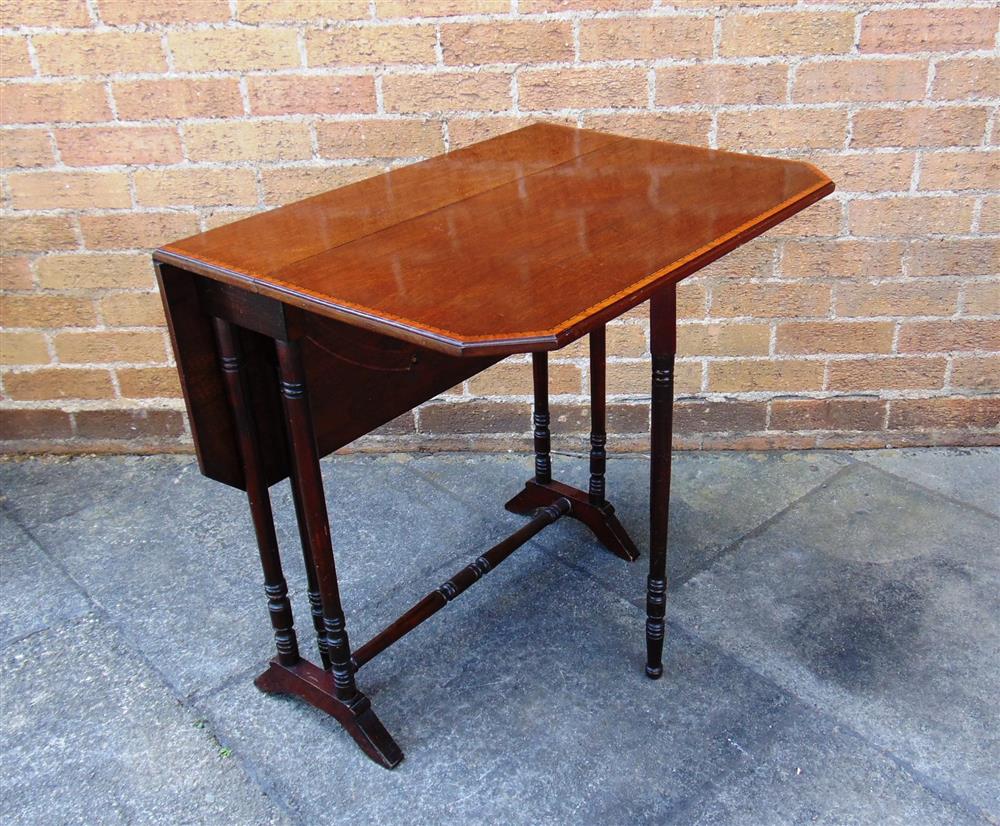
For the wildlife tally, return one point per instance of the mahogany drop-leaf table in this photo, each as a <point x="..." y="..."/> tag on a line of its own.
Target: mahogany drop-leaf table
<point x="300" y="329"/>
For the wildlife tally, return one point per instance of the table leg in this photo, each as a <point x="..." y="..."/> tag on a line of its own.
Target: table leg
<point x="279" y="607"/>
<point x="540" y="418"/>
<point x="598" y="404"/>
<point x="663" y="345"/>
<point x="342" y="699"/>
<point x="315" y="603"/>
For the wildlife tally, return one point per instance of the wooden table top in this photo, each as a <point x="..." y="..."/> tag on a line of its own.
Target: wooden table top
<point x="522" y="242"/>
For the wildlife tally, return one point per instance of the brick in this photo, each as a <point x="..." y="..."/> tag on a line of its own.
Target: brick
<point x="514" y="379"/>
<point x="37" y="233"/>
<point x="935" y="414"/>
<point x="719" y="417"/>
<point x="920" y="127"/>
<point x="182" y="98"/>
<point x="25" y="148"/>
<point x="712" y="84"/>
<point x="58" y="383"/>
<point x="815" y="337"/>
<point x="23" y="348"/>
<point x="692" y="301"/>
<point x="783" y="33"/>
<point x="982" y="299"/>
<point x="371" y="45"/>
<point x="69" y="190"/>
<point x="980" y="373"/>
<point x="129" y="424"/>
<point x="782" y="129"/>
<point x="109" y="346"/>
<point x="99" y="53"/>
<point x="163" y="12"/>
<point x="440" y="8"/>
<point x="902" y="216"/>
<point x="132" y="310"/>
<point x="380" y="139"/>
<point x="15" y="273"/>
<point x="283" y="186"/>
<point x="149" y="382"/>
<point x="463" y="131"/>
<point x="475" y="417"/>
<point x="248" y="141"/>
<point x="297" y="11"/>
<point x="16" y="62"/>
<point x="755" y="259"/>
<point x="588" y="88"/>
<point x="213" y="50"/>
<point x="196" y="187"/>
<point x="55" y="102"/>
<point x="868" y="172"/>
<point x="823" y="219"/>
<point x="100" y="146"/>
<point x="842" y="258"/>
<point x="94" y="271"/>
<point x="827" y="414"/>
<point x="928" y="30"/>
<point x="966" y="77"/>
<point x="290" y="95"/>
<point x="948" y="336"/>
<point x="723" y="339"/>
<point x="972" y="256"/>
<point x="682" y="127"/>
<point x="851" y="375"/>
<point x="989" y="215"/>
<point x="626" y="340"/>
<point x="22" y="425"/>
<point x="860" y="80"/>
<point x="496" y="42"/>
<point x="770" y="300"/>
<point x="633" y="378"/>
<point x="895" y="299"/>
<point x="645" y="38"/>
<point x="220" y="217"/>
<point x="738" y="375"/>
<point x="960" y="170"/>
<point x="44" y="311"/>
<point x="141" y="230"/>
<point x="36" y="13"/>
<point x="477" y="91"/>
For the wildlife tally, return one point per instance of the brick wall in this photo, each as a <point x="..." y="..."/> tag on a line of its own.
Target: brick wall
<point x="870" y="319"/>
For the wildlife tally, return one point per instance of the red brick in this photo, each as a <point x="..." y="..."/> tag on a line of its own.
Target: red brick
<point x="842" y="258"/>
<point x="743" y="376"/>
<point x="763" y="129"/>
<point x="893" y="298"/>
<point x="586" y="88"/>
<point x="949" y="336"/>
<point x="705" y="83"/>
<point x="960" y="170"/>
<point x="874" y="172"/>
<point x="37" y="13"/>
<point x="517" y="42"/>
<point x="928" y="30"/>
<point x="827" y="414"/>
<point x="163" y="12"/>
<point x="117" y="424"/>
<point x="99" y="146"/>
<point x="969" y="256"/>
<point x="920" y="126"/>
<point x="835" y="337"/>
<point x="934" y="414"/>
<point x="783" y="33"/>
<point x="860" y="80"/>
<point x="719" y="417"/>
<point x="289" y="95"/>
<point x="770" y="300"/>
<point x="967" y="77"/>
<point x="645" y="38"/>
<point x="181" y="98"/>
<point x="904" y="216"/>
<point x="54" y="103"/>
<point x="16" y="425"/>
<point x="887" y="373"/>
<point x="371" y="45"/>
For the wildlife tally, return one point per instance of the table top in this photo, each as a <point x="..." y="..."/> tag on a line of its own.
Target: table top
<point x="521" y="242"/>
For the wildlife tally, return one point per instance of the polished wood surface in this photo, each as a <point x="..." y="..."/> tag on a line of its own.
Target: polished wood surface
<point x="520" y="243"/>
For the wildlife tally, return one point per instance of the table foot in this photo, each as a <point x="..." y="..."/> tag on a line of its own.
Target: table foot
<point x="314" y="685"/>
<point x="600" y="518"/>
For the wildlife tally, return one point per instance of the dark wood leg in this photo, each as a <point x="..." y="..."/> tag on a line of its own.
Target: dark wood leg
<point x="279" y="607"/>
<point x="540" y="418"/>
<point x="663" y="345"/>
<point x="315" y="603"/>
<point x="333" y="691"/>
<point x="598" y="404"/>
<point x="591" y="508"/>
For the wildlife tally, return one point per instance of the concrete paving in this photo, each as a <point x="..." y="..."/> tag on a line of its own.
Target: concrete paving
<point x="833" y="648"/>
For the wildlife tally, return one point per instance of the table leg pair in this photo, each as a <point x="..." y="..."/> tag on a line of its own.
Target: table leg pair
<point x="332" y="688"/>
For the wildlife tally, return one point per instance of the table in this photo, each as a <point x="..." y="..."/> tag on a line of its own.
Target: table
<point x="300" y="329"/>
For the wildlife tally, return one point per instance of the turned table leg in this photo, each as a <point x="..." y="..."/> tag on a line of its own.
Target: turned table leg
<point x="315" y="603"/>
<point x="598" y="404"/>
<point x="663" y="344"/>
<point x="540" y="417"/>
<point x="347" y="703"/>
<point x="279" y="608"/>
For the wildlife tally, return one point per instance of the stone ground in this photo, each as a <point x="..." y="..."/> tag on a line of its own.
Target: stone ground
<point x="833" y="651"/>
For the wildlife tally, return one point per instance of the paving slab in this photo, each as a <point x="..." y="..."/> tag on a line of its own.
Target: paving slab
<point x="36" y="593"/>
<point x="878" y="602"/>
<point x="969" y="474"/>
<point x="90" y="735"/>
